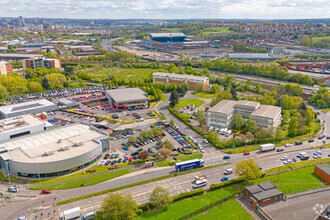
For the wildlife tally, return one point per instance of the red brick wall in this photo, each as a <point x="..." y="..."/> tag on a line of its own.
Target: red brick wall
<point x="9" y="69"/>
<point x="322" y="174"/>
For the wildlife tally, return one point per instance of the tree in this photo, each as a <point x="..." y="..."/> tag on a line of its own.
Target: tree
<point x="200" y="117"/>
<point x="144" y="155"/>
<point x="200" y="87"/>
<point x="45" y="83"/>
<point x="131" y="139"/>
<point x="117" y="206"/>
<point x="172" y="122"/>
<point x="168" y="144"/>
<point x="165" y="152"/>
<point x="162" y="116"/>
<point x="174" y="98"/>
<point x="251" y="125"/>
<point x="160" y="197"/>
<point x="238" y="121"/>
<point x="293" y="127"/>
<point x="3" y="92"/>
<point x="279" y="134"/>
<point x="248" y="170"/>
<point x="35" y="87"/>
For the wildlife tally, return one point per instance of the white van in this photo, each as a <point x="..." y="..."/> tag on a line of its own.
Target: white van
<point x="216" y="129"/>
<point x="301" y="154"/>
<point x="200" y="183"/>
<point x="211" y="128"/>
<point x="228" y="133"/>
<point x="224" y="131"/>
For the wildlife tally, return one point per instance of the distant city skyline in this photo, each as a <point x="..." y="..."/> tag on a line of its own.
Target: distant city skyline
<point x="168" y="9"/>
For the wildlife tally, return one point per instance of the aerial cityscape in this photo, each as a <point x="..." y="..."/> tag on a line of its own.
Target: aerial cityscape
<point x="121" y="110"/>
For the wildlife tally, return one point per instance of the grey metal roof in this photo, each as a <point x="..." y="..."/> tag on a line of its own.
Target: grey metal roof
<point x="267" y="185"/>
<point x="178" y="34"/>
<point x="24" y="106"/>
<point x="127" y="95"/>
<point x="267" y="194"/>
<point x="254" y="189"/>
<point x="325" y="168"/>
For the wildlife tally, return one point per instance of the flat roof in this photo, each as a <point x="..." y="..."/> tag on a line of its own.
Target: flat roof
<point x="127" y="94"/>
<point x="65" y="101"/>
<point x="325" y="168"/>
<point x="249" y="56"/>
<point x="174" y="34"/>
<point x="32" y="148"/>
<point x="245" y="104"/>
<point x="20" y="55"/>
<point x="25" y="106"/>
<point x="181" y="76"/>
<point x="16" y="123"/>
<point x="266" y="111"/>
<point x="264" y="190"/>
<point x="267" y="194"/>
<point x="225" y="106"/>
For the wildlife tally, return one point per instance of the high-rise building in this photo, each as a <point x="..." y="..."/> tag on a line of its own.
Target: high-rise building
<point x="5" y="68"/>
<point x="21" y="22"/>
<point x="38" y="62"/>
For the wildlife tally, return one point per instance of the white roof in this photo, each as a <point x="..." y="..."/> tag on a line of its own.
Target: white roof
<point x="177" y="34"/>
<point x="127" y="95"/>
<point x="248" y="56"/>
<point x="25" y="106"/>
<point x="18" y="122"/>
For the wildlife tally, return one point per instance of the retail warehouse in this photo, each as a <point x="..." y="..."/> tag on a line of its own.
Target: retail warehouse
<point x="52" y="153"/>
<point x="128" y="98"/>
<point x="24" y="108"/>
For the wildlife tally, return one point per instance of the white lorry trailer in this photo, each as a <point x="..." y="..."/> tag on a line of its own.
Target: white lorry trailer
<point x="266" y="147"/>
<point x="70" y="214"/>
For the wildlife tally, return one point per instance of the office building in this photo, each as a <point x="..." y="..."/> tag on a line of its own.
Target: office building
<point x="179" y="79"/>
<point x="128" y="98"/>
<point x="38" y="62"/>
<point x="37" y="106"/>
<point x="221" y="115"/>
<point x="5" y="68"/>
<point x="57" y="151"/>
<point x="270" y="48"/>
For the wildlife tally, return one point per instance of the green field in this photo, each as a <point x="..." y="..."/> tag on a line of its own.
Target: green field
<point x="228" y="210"/>
<point x="292" y="181"/>
<point x="184" y="207"/>
<point x="203" y="95"/>
<point x="321" y="38"/>
<point x="168" y="162"/>
<point x="122" y="73"/>
<point x="215" y="30"/>
<point x="85" y="181"/>
<point x="184" y="103"/>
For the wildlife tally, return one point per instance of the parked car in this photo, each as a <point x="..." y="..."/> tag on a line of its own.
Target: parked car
<point x="125" y="148"/>
<point x="226" y="157"/>
<point x="246" y="153"/>
<point x="228" y="171"/>
<point x="205" y="141"/>
<point x="106" y="156"/>
<point x="225" y="178"/>
<point x="287" y="162"/>
<point x="46" y="191"/>
<point x="317" y="156"/>
<point x="310" y="140"/>
<point x="12" y="189"/>
<point x="279" y="149"/>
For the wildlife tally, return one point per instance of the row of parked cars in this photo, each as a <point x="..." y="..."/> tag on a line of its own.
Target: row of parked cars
<point x="140" y="143"/>
<point x="177" y="134"/>
<point x="222" y="131"/>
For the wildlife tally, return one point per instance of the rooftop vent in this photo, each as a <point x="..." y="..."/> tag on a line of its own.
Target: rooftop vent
<point x="49" y="152"/>
<point x="64" y="147"/>
<point x="77" y="143"/>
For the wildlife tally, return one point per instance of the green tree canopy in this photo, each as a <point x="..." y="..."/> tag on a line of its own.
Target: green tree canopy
<point x="160" y="197"/>
<point x="248" y="170"/>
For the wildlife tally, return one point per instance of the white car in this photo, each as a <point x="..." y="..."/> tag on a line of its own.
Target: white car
<point x="201" y="149"/>
<point x="318" y="152"/>
<point x="287" y="162"/>
<point x="12" y="189"/>
<point x="284" y="158"/>
<point x="205" y="141"/>
<point x="288" y="145"/>
<point x="317" y="156"/>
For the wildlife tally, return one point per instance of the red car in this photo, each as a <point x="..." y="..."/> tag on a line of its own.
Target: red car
<point x="246" y="153"/>
<point x="46" y="191"/>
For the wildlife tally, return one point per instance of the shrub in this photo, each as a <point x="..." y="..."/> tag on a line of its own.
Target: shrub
<point x="223" y="184"/>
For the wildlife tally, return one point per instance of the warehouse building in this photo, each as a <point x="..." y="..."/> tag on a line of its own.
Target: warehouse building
<point x="24" y="108"/>
<point x="55" y="152"/>
<point x="221" y="115"/>
<point x="179" y="79"/>
<point x="128" y="98"/>
<point x="263" y="194"/>
<point x="11" y="128"/>
<point x="323" y="171"/>
<point x="67" y="103"/>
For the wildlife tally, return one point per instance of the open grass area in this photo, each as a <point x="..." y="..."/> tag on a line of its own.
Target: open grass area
<point x="228" y="210"/>
<point x="184" y="207"/>
<point x="298" y="164"/>
<point x="241" y="149"/>
<point x="98" y="169"/>
<point x="163" y="99"/>
<point x="292" y="181"/>
<point x="215" y="30"/>
<point x="123" y="73"/>
<point x="83" y="182"/>
<point x="180" y="159"/>
<point x="203" y="94"/>
<point x="321" y="38"/>
<point x="184" y="103"/>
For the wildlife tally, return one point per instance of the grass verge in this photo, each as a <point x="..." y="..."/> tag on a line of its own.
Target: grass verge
<point x="180" y="159"/>
<point x="184" y="208"/>
<point x="228" y="210"/>
<point x="184" y="103"/>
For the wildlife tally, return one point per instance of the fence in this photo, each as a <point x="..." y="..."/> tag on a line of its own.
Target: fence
<point x="206" y="207"/>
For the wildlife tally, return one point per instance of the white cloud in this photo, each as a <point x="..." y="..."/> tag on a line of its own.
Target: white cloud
<point x="167" y="9"/>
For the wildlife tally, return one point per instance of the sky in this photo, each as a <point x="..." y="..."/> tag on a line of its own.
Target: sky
<point x="167" y="9"/>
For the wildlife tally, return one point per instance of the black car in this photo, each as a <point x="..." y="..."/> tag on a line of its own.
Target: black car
<point x="135" y="157"/>
<point x="299" y="143"/>
<point x="107" y="163"/>
<point x="134" y="153"/>
<point x="310" y="140"/>
<point x="114" y="116"/>
<point x="113" y="162"/>
<point x="279" y="149"/>
<point x="125" y="160"/>
<point x="112" y="156"/>
<point x="119" y="160"/>
<point x="106" y="156"/>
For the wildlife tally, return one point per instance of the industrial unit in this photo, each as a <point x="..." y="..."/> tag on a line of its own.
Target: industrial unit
<point x="180" y="79"/>
<point x="55" y="152"/>
<point x="37" y="106"/>
<point x="221" y="115"/>
<point x="128" y="98"/>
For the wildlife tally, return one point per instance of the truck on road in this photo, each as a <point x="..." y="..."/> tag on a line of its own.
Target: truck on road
<point x="70" y="214"/>
<point x="197" y="178"/>
<point x="266" y="147"/>
<point x="190" y="164"/>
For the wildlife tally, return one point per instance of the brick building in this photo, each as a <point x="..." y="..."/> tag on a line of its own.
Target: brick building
<point x="179" y="79"/>
<point x="263" y="194"/>
<point x="308" y="65"/>
<point x="323" y="171"/>
<point x="5" y="68"/>
<point x="38" y="62"/>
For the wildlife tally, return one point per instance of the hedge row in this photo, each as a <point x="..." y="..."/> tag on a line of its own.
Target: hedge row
<point x="223" y="184"/>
